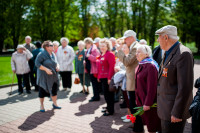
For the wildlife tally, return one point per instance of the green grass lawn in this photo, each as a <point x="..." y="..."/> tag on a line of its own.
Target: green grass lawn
<point x="6" y="73"/>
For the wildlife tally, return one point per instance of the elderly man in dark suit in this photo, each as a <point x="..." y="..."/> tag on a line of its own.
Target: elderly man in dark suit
<point x="175" y="81"/>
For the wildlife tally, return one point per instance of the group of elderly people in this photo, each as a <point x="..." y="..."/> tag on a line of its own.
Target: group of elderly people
<point x="126" y="63"/>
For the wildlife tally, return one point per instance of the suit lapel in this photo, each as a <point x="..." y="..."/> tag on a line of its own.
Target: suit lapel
<point x="167" y="61"/>
<point x="171" y="55"/>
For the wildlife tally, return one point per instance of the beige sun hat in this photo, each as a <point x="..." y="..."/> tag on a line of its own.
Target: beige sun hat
<point x="129" y="33"/>
<point x="20" y="46"/>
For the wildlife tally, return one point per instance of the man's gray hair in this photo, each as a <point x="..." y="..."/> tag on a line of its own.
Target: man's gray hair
<point x="27" y="37"/>
<point x="173" y="37"/>
<point x="64" y="39"/>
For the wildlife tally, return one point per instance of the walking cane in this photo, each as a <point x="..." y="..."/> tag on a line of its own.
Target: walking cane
<point x="12" y="84"/>
<point x="84" y="73"/>
<point x="84" y="76"/>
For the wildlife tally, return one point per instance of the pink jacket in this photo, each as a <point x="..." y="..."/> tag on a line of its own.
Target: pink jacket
<point x="106" y="64"/>
<point x="94" y="53"/>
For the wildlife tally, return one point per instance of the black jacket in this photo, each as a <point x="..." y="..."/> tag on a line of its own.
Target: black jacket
<point x="195" y="106"/>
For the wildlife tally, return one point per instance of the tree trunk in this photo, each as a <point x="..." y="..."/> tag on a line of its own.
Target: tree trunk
<point x="133" y="16"/>
<point x="154" y="24"/>
<point x="144" y="34"/>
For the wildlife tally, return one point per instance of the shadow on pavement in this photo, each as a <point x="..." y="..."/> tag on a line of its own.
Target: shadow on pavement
<point x="104" y="124"/>
<point x="14" y="98"/>
<point x="63" y="94"/>
<point x="77" y="97"/>
<point x="89" y="108"/>
<point x="36" y="119"/>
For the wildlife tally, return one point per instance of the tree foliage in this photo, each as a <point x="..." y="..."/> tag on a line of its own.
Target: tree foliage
<point x="77" y="19"/>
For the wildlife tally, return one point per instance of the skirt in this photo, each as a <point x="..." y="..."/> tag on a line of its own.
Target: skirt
<point x="43" y="93"/>
<point x="87" y="79"/>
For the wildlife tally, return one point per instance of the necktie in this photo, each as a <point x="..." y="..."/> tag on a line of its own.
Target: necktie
<point x="162" y="63"/>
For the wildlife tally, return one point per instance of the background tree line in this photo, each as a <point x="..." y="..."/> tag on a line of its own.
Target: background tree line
<point x="77" y="19"/>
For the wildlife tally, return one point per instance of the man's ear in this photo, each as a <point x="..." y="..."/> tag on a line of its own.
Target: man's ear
<point x="166" y="37"/>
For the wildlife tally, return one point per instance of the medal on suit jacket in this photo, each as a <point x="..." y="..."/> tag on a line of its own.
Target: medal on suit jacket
<point x="80" y="57"/>
<point x="164" y="73"/>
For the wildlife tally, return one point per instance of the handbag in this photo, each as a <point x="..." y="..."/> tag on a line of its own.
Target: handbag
<point x="77" y="80"/>
<point x="112" y="87"/>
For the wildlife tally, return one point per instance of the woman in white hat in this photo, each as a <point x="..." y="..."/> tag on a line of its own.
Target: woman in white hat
<point x="19" y="64"/>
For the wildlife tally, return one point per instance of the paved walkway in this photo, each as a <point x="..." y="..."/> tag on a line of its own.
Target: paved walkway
<point x="20" y="113"/>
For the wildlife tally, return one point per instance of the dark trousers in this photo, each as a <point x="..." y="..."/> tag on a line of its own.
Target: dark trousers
<point x="100" y="88"/>
<point x="95" y="87"/>
<point x="168" y="127"/>
<point x="25" y="78"/>
<point x="195" y="126"/>
<point x="117" y="95"/>
<point x="36" y="86"/>
<point x="125" y="96"/>
<point x="31" y="73"/>
<point x="66" y="79"/>
<point x="138" y="125"/>
<point x="108" y="95"/>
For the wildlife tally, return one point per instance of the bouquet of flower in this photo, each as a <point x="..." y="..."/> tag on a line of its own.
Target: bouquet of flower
<point x="139" y="112"/>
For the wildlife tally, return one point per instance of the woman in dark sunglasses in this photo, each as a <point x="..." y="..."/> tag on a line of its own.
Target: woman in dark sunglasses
<point x="47" y="72"/>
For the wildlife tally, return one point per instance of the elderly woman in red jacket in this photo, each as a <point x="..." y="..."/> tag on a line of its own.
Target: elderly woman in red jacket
<point x="106" y="63"/>
<point x="145" y="87"/>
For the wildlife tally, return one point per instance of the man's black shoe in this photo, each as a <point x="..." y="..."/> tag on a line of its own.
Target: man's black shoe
<point x="28" y="92"/>
<point x="93" y="100"/>
<point x="20" y="93"/>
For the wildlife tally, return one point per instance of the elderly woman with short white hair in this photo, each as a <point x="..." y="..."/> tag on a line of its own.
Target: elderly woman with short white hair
<point x="146" y="87"/>
<point x="79" y="67"/>
<point x="55" y="46"/>
<point x="65" y="57"/>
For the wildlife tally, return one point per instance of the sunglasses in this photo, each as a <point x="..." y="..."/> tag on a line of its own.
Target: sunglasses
<point x="50" y="46"/>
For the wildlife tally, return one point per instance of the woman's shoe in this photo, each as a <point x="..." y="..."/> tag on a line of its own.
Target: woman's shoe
<point x="103" y="110"/>
<point x="86" y="93"/>
<point x="56" y="107"/>
<point x="42" y="110"/>
<point x="123" y="117"/>
<point x="126" y="120"/>
<point x="107" y="114"/>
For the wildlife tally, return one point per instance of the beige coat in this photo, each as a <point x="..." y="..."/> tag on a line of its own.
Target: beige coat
<point x="175" y="84"/>
<point x="19" y="62"/>
<point x="131" y="63"/>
